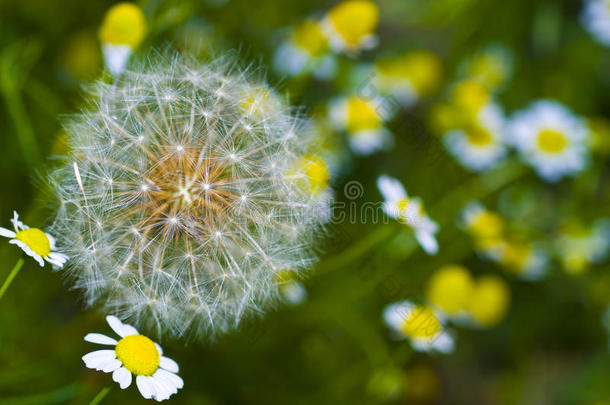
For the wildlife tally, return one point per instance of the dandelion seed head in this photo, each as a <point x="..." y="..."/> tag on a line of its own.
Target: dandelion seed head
<point x="189" y="168"/>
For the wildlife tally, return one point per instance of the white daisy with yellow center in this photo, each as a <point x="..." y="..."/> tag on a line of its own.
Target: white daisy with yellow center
<point x="351" y="25"/>
<point x="479" y="145"/>
<point x="551" y="139"/>
<point x="481" y="223"/>
<point x="363" y="122"/>
<point x="596" y="19"/>
<point x="423" y="327"/>
<point x="134" y="354"/>
<point x="123" y="29"/>
<point x="524" y="260"/>
<point x="306" y="51"/>
<point x="409" y="211"/>
<point x="34" y="242"/>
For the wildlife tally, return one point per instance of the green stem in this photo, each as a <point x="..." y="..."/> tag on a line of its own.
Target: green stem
<point x="100" y="395"/>
<point x="10" y="277"/>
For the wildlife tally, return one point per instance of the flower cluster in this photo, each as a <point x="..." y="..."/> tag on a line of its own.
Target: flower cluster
<point x="190" y="186"/>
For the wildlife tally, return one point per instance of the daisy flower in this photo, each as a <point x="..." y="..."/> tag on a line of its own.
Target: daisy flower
<point x="362" y="122"/>
<point x="551" y="139"/>
<point x="34" y="242"/>
<point x="479" y="145"/>
<point x="524" y="260"/>
<point x="350" y="26"/>
<point x="596" y="19"/>
<point x="409" y="211"/>
<point x="306" y="51"/>
<point x="134" y="354"/>
<point x="408" y="77"/>
<point x="489" y="301"/>
<point x="578" y="246"/>
<point x="123" y="29"/>
<point x="482" y="223"/>
<point x="420" y="324"/>
<point x="449" y="290"/>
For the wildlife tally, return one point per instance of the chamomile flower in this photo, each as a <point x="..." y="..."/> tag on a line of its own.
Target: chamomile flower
<point x="578" y="246"/>
<point x="478" y="145"/>
<point x="491" y="66"/>
<point x="596" y="19"/>
<point x="482" y="223"/>
<point x="362" y="122"/>
<point x="409" y="211"/>
<point x="525" y="260"/>
<point x="123" y="29"/>
<point x="420" y="324"/>
<point x="306" y="51"/>
<point x="408" y="77"/>
<point x="551" y="139"/>
<point x="350" y="26"/>
<point x="449" y="290"/>
<point x="468" y="97"/>
<point x="34" y="242"/>
<point x="489" y="301"/>
<point x="134" y="355"/>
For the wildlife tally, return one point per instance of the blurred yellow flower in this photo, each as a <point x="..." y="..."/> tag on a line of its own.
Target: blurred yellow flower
<point x="351" y="25"/>
<point x="578" y="246"/>
<point x="316" y="176"/>
<point x="449" y="290"/>
<point x="124" y="24"/>
<point x="470" y="96"/>
<point x="492" y="67"/>
<point x="600" y="134"/>
<point x="489" y="301"/>
<point x="309" y="37"/>
<point x="482" y="223"/>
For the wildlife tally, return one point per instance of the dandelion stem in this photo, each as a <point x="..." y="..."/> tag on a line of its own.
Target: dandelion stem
<point x="10" y="277"/>
<point x="100" y="395"/>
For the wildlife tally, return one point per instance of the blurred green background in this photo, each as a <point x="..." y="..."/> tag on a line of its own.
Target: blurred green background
<point x="334" y="348"/>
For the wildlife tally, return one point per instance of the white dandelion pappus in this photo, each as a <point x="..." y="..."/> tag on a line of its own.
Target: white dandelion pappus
<point x="550" y="138"/>
<point x="480" y="145"/>
<point x="34" y="242"/>
<point x="410" y="211"/>
<point x="421" y="325"/>
<point x="134" y="355"/>
<point x="180" y="201"/>
<point x="596" y="19"/>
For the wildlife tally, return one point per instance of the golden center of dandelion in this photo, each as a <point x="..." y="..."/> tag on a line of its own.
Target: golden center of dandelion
<point x="551" y="141"/>
<point x="138" y="354"/>
<point x="421" y="323"/>
<point x="36" y="240"/>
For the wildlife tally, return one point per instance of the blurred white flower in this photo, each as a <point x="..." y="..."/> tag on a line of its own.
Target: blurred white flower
<point x="181" y="200"/>
<point x="525" y="260"/>
<point x="409" y="211"/>
<point x="596" y="19"/>
<point x="578" y="246"/>
<point x="479" y="145"/>
<point x="550" y="138"/>
<point x="34" y="242"/>
<point x="362" y="122"/>
<point x="134" y="354"/>
<point x="492" y="66"/>
<point x="351" y="24"/>
<point x="420" y="324"/>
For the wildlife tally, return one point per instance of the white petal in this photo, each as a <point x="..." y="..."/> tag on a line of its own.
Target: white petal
<point x="161" y="392"/>
<point x="119" y="327"/>
<point x="26" y="249"/>
<point x="428" y="242"/>
<point x="116" y="57"/>
<point x="122" y="376"/>
<point x="168" y="364"/>
<point x="173" y="378"/>
<point x="100" y="339"/>
<point x="396" y="314"/>
<point x="159" y="348"/>
<point x="144" y="386"/>
<point x="51" y="241"/>
<point x="110" y="366"/>
<point x="7" y="233"/>
<point x="167" y="383"/>
<point x="98" y="357"/>
<point x="390" y="188"/>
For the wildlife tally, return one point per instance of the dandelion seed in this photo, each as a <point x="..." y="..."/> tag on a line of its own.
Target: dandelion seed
<point x="191" y="238"/>
<point x="134" y="355"/>
<point x="409" y="211"/>
<point x="421" y="325"/>
<point x="36" y="243"/>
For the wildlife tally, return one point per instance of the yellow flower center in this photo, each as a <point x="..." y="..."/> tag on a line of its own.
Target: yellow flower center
<point x="354" y="19"/>
<point x="361" y="115"/>
<point x="316" y="174"/>
<point x="487" y="224"/>
<point x="138" y="354"/>
<point x="516" y="256"/>
<point x="36" y="240"/>
<point x="124" y="24"/>
<point x="449" y="289"/>
<point x="478" y="136"/>
<point x="490" y="300"/>
<point x="488" y="68"/>
<point x="470" y="96"/>
<point x="551" y="141"/>
<point x="309" y="36"/>
<point x="421" y="323"/>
